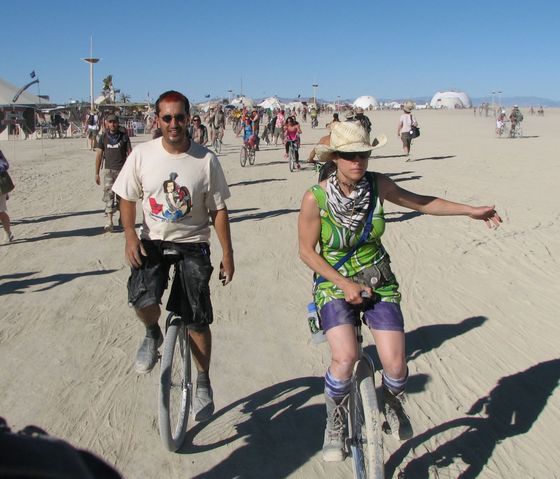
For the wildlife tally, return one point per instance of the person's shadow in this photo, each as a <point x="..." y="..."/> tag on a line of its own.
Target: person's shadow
<point x="281" y="431"/>
<point x="510" y="409"/>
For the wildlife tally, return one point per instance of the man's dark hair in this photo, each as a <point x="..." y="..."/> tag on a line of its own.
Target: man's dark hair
<point x="173" y="95"/>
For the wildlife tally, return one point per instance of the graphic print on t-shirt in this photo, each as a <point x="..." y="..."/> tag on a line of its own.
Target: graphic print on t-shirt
<point x="176" y="204"/>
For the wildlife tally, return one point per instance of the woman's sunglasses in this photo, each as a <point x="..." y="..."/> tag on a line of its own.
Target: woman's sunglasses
<point x="350" y="155"/>
<point x="180" y="118"/>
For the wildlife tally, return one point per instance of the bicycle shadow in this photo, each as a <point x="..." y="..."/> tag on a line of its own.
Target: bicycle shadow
<point x="263" y="215"/>
<point x="17" y="287"/>
<point x="83" y="232"/>
<point x="255" y="182"/>
<point x="510" y="409"/>
<point x="270" y="163"/>
<point x="280" y="431"/>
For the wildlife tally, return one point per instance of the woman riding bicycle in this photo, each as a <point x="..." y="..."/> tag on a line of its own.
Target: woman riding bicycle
<point x="292" y="130"/>
<point x="334" y="214"/>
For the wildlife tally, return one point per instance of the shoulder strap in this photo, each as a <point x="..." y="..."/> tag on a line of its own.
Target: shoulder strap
<point x="365" y="233"/>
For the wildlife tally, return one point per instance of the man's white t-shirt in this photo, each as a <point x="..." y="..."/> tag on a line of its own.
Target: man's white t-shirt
<point x="407" y="121"/>
<point x="177" y="191"/>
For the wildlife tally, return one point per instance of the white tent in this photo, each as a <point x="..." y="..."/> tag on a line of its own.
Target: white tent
<point x="366" y="102"/>
<point x="270" y="102"/>
<point x="295" y="104"/>
<point x="8" y="91"/>
<point x="243" y="101"/>
<point x="451" y="100"/>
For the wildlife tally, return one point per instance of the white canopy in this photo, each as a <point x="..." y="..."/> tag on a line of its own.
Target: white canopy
<point x="8" y="91"/>
<point x="295" y="104"/>
<point x="270" y="102"/>
<point x="451" y="99"/>
<point x="365" y="102"/>
<point x="243" y="101"/>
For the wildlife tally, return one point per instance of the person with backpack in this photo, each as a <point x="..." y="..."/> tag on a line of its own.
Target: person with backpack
<point x="112" y="150"/>
<point x="406" y="122"/>
<point x="92" y="125"/>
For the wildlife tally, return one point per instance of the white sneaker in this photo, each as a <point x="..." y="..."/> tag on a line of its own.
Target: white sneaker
<point x="8" y="237"/>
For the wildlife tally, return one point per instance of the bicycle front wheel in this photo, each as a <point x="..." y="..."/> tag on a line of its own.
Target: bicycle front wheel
<point x="175" y="387"/>
<point x="252" y="155"/>
<point x="292" y="158"/>
<point x="364" y="425"/>
<point x="243" y="156"/>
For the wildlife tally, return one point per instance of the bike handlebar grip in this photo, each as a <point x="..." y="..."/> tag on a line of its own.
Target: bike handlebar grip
<point x="365" y="294"/>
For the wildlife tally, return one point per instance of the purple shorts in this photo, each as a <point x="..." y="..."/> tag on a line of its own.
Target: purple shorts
<point x="380" y="315"/>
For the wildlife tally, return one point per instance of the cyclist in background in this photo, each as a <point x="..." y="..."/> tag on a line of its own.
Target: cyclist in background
<point x="217" y="124"/>
<point x="249" y="139"/>
<point x="314" y="114"/>
<point x="292" y="130"/>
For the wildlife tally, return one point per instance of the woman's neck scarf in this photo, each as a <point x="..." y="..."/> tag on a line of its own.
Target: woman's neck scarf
<point x="351" y="211"/>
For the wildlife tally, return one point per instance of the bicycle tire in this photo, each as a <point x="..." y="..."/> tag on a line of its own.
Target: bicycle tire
<point x="243" y="156"/>
<point x="175" y="397"/>
<point x="252" y="155"/>
<point x="365" y="425"/>
<point x="292" y="158"/>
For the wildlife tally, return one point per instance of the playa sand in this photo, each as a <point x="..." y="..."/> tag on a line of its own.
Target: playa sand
<point x="481" y="311"/>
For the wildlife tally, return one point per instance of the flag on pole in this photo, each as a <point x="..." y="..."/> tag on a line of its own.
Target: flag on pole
<point x="299" y="96"/>
<point x="32" y="74"/>
<point x="207" y="96"/>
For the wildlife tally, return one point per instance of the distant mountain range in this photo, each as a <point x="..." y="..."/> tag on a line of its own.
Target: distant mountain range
<point x="523" y="101"/>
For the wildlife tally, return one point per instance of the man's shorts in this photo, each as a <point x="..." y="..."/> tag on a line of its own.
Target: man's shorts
<point x="91" y="133"/>
<point x="406" y="139"/>
<point x="190" y="291"/>
<point x="379" y="315"/>
<point x="109" y="196"/>
<point x="3" y="205"/>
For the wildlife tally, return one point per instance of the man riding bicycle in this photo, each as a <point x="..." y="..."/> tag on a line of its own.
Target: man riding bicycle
<point x="182" y="186"/>
<point x="292" y="130"/>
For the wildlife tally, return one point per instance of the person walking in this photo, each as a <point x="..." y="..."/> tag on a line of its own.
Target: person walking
<point x="198" y="132"/>
<point x="112" y="150"/>
<point x="333" y="215"/>
<point x="406" y="121"/>
<point x="4" y="217"/>
<point x="182" y="187"/>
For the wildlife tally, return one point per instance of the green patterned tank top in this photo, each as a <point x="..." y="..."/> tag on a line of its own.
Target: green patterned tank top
<point x="336" y="240"/>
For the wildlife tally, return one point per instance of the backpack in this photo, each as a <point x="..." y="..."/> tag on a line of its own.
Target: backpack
<point x="91" y="120"/>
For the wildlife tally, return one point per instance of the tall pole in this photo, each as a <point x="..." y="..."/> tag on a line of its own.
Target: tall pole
<point x="315" y="85"/>
<point x="91" y="62"/>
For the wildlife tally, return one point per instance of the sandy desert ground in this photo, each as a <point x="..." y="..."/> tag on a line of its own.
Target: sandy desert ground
<point x="481" y="309"/>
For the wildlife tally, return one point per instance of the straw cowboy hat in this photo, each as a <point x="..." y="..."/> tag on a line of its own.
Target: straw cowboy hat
<point x="408" y="106"/>
<point x="348" y="137"/>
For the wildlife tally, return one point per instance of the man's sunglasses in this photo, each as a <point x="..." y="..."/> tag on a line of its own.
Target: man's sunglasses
<point x="350" y="155"/>
<point x="180" y="118"/>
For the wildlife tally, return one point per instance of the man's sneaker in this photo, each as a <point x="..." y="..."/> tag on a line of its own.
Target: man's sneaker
<point x="8" y="237"/>
<point x="333" y="444"/>
<point x="147" y="355"/>
<point x="203" y="403"/>
<point x="396" y="417"/>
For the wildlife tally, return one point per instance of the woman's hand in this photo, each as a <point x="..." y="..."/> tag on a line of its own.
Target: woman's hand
<point x="486" y="213"/>
<point x="353" y="292"/>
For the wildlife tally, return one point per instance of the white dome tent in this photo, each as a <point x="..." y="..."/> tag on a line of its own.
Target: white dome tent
<point x="270" y="103"/>
<point x="242" y="101"/>
<point x="366" y="102"/>
<point x="450" y="100"/>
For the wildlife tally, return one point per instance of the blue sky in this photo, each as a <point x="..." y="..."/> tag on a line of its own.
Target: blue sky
<point x="384" y="48"/>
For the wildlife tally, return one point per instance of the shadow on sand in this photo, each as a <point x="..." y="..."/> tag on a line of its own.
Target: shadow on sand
<point x="510" y="409"/>
<point x="255" y="182"/>
<point x="41" y="219"/>
<point x="280" y="431"/>
<point x="263" y="214"/>
<point x="432" y="158"/>
<point x="18" y="286"/>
